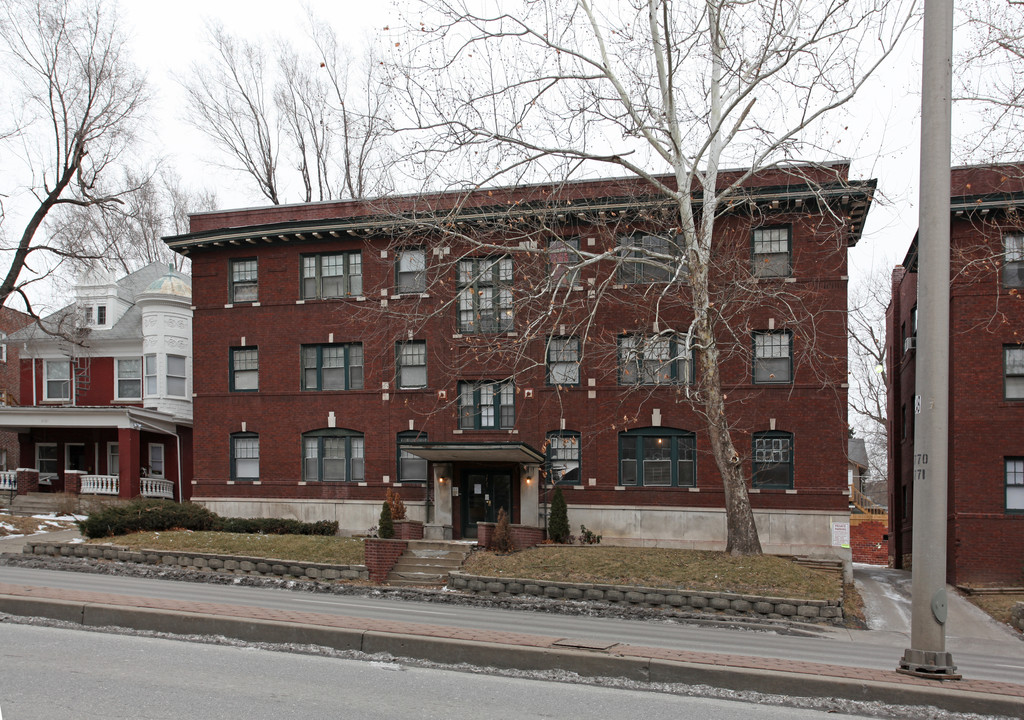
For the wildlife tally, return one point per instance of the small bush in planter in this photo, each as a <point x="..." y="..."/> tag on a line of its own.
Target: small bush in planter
<point x="501" y="540"/>
<point x="397" y="506"/>
<point x="385" y="528"/>
<point x="558" y="521"/>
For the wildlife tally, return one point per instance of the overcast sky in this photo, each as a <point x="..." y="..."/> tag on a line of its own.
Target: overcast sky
<point x="878" y="132"/>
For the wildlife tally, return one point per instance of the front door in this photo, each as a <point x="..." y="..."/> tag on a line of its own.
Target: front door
<point x="484" y="492"/>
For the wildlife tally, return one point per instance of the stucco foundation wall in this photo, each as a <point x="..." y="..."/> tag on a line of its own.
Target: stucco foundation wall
<point x="782" y="532"/>
<point x="354" y="517"/>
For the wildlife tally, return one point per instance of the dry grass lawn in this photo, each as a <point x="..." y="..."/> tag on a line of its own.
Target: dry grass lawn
<point x="19" y="525"/>
<point x="998" y="606"/>
<point x="661" y="567"/>
<point x="303" y="548"/>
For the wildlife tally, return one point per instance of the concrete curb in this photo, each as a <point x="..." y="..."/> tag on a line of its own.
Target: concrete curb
<point x="634" y="663"/>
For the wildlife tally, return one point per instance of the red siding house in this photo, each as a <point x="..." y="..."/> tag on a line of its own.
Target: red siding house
<point x="986" y="386"/>
<point x="10" y="383"/>
<point x="472" y="350"/>
<point x="105" y="406"/>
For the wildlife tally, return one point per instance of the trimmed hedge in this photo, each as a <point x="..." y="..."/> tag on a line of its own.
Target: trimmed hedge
<point x="156" y="515"/>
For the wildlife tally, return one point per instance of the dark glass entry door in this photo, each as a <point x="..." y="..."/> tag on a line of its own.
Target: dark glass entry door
<point x="483" y="493"/>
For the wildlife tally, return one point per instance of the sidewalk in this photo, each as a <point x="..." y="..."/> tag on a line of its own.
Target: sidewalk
<point x="510" y="650"/>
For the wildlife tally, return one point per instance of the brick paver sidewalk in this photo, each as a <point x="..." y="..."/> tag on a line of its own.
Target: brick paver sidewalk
<point x="821" y="670"/>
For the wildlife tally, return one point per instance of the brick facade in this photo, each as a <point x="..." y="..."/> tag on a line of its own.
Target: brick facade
<point x="869" y="541"/>
<point x="985" y="534"/>
<point x="519" y="222"/>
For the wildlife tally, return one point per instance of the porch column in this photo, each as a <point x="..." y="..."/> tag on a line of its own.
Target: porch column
<point x="128" y="463"/>
<point x="441" y="527"/>
<point x="529" y="496"/>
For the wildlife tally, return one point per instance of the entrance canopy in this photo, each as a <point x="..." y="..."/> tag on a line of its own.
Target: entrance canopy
<point x="482" y="452"/>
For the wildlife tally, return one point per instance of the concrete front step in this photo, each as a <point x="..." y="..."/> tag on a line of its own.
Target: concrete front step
<point x="34" y="504"/>
<point x="428" y="562"/>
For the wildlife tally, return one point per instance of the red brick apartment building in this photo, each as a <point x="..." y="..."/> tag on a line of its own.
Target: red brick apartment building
<point x="986" y="384"/>
<point x="104" y="407"/>
<point x="473" y="349"/>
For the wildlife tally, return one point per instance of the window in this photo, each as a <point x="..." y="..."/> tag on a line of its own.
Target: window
<point x="412" y="364"/>
<point x="773" y="460"/>
<point x="332" y="456"/>
<point x="245" y="456"/>
<point x="156" y="460"/>
<point x="658" y="457"/>
<point x="651" y="258"/>
<point x="411" y="468"/>
<point x="101" y="315"/>
<point x="485" y="295"/>
<point x="1013" y="261"/>
<point x="487" y="405"/>
<point x="563" y="256"/>
<point x="46" y="460"/>
<point x="411" y="271"/>
<point x="1013" y="372"/>
<point x="87" y="315"/>
<point x="771" y="252"/>
<point x="244" y="285"/>
<point x="1014" y="473"/>
<point x="149" y="367"/>
<point x="332" y="367"/>
<point x="129" y="378"/>
<point x="245" y="369"/>
<point x="332" y="276"/>
<point x="773" y="361"/>
<point x="564" y="457"/>
<point x="176" y="375"/>
<point x="58" y="380"/>
<point x="655" y="360"/>
<point x="564" y="361"/>
<point x="113" y="459"/>
<point x="3" y="347"/>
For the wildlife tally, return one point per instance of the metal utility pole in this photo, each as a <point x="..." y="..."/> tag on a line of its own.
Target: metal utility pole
<point x="927" y="656"/>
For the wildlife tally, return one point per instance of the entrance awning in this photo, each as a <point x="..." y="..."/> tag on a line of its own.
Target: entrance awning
<point x="480" y="452"/>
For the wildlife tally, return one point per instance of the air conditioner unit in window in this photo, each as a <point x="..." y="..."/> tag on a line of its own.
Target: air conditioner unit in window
<point x="910" y="344"/>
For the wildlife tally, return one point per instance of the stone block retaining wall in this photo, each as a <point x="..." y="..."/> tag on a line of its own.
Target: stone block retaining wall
<point x="827" y="611"/>
<point x="234" y="564"/>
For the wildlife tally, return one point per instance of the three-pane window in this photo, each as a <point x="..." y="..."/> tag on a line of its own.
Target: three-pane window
<point x="244" y="281"/>
<point x="332" y="456"/>
<point x="332" y="275"/>
<point x="245" y="368"/>
<point x="485" y="295"/>
<point x="332" y="367"/>
<point x="655" y="360"/>
<point x="412" y="364"/>
<point x="487" y="405"/>
<point x="650" y="259"/>
<point x="657" y="457"/>
<point x="773" y="357"/>
<point x="772" y="252"/>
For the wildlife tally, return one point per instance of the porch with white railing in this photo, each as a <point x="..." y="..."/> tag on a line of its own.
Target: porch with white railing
<point x="8" y="480"/>
<point x="157" y="488"/>
<point x="100" y="485"/>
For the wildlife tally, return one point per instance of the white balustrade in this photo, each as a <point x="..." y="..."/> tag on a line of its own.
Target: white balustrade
<point x="9" y="480"/>
<point x="157" y="488"/>
<point x="100" y="485"/>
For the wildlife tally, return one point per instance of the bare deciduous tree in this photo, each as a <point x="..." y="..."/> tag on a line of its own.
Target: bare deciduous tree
<point x="557" y="87"/>
<point x="868" y="380"/>
<point x="286" y="110"/>
<point x="80" y="97"/>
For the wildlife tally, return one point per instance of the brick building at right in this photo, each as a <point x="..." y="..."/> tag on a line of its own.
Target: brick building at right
<point x="985" y="518"/>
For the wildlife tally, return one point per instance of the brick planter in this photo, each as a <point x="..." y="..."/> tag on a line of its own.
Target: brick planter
<point x="408" y="530"/>
<point x="28" y="481"/>
<point x="381" y="556"/>
<point x="523" y="536"/>
<point x="822" y="611"/>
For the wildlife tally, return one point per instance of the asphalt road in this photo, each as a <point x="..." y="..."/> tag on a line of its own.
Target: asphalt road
<point x="58" y="673"/>
<point x="990" y="660"/>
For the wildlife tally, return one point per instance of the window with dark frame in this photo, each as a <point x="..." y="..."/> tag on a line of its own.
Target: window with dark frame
<point x="244" y="280"/>
<point x="332" y="275"/>
<point x="101" y="315"/>
<point x="658" y="457"/>
<point x="655" y="360"/>
<point x="332" y="455"/>
<point x="245" y="457"/>
<point x="245" y="369"/>
<point x="484" y="287"/>
<point x="563" y="261"/>
<point x="1013" y="372"/>
<point x="1013" y="261"/>
<point x="411" y="271"/>
<point x="773" y="460"/>
<point x="772" y="252"/>
<point x="411" y="359"/>
<point x="651" y="259"/>
<point x="332" y="367"/>
<point x="411" y="468"/>
<point x="564" y="457"/>
<point x="1014" y="476"/>
<point x="563" y="361"/>
<point x="487" y="405"/>
<point x="773" y="357"/>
